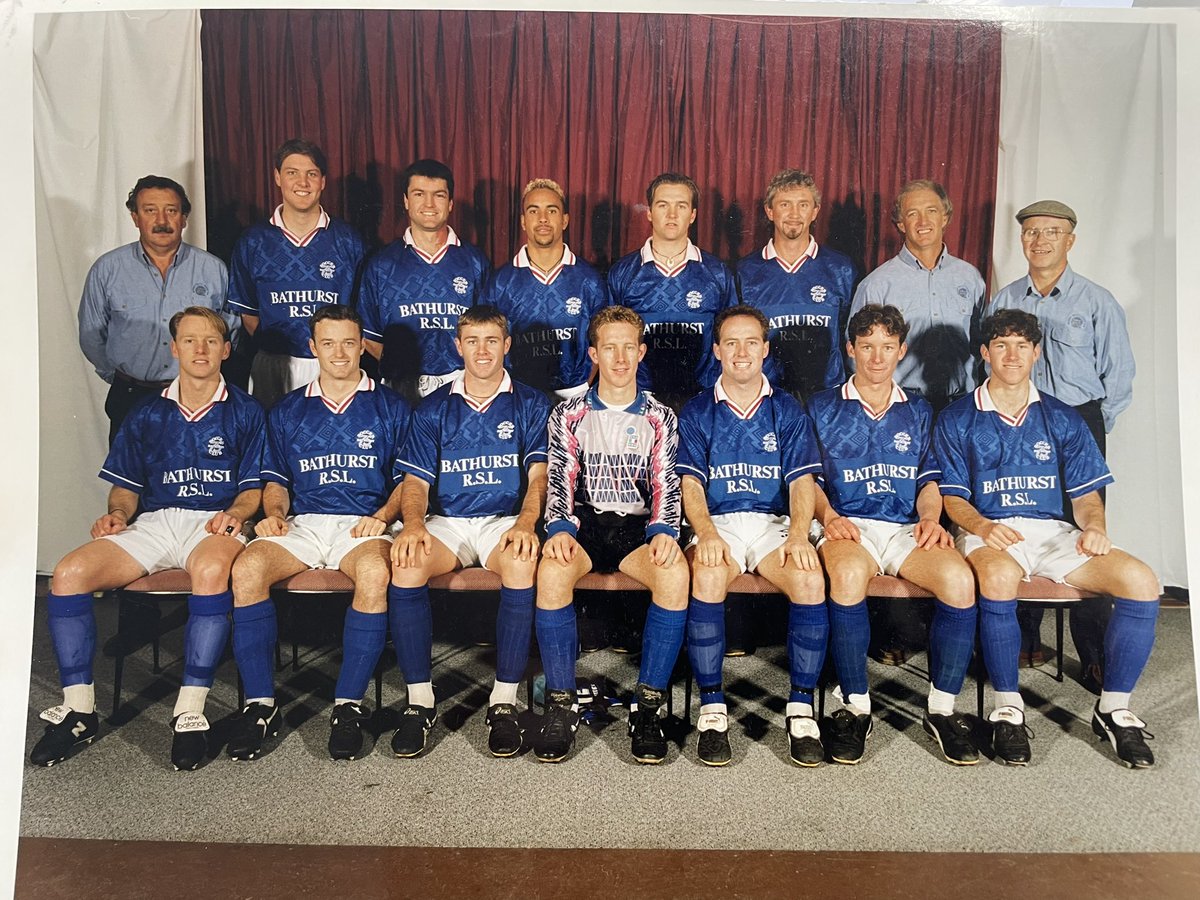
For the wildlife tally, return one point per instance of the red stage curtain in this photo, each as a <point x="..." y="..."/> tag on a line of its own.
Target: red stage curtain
<point x="603" y="103"/>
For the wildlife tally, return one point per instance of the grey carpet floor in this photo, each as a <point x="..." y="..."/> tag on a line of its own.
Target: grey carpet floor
<point x="903" y="797"/>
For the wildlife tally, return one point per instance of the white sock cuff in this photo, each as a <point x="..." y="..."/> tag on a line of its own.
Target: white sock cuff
<point x="421" y="694"/>
<point x="80" y="697"/>
<point x="940" y="702"/>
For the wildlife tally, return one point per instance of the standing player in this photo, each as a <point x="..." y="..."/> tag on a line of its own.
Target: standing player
<point x="612" y="504"/>
<point x="677" y="289"/>
<point x="1009" y="452"/>
<point x="189" y="460"/>
<point x="747" y="458"/>
<point x="477" y="444"/>
<point x="880" y="508"/>
<point x="547" y="293"/>
<point x="328" y="503"/>
<point x="131" y="293"/>
<point x="285" y="269"/>
<point x="415" y="288"/>
<point x="941" y="297"/>
<point x="804" y="289"/>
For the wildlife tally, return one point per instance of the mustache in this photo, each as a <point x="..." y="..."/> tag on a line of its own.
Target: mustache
<point x="162" y="229"/>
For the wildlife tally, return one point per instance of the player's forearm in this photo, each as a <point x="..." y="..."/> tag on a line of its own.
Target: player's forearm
<point x="1089" y="512"/>
<point x="375" y="348"/>
<point x="245" y="504"/>
<point x="802" y="501"/>
<point x="250" y="324"/>
<point x="965" y="516"/>
<point x="414" y="500"/>
<point x="122" y="502"/>
<point x="535" y="497"/>
<point x="929" y="503"/>
<point x="275" y="500"/>
<point x="695" y="506"/>
<point x="823" y="510"/>
<point x="391" y="509"/>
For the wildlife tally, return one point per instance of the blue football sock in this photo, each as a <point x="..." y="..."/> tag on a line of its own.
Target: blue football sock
<point x="73" y="631"/>
<point x="1128" y="642"/>
<point x="514" y="624"/>
<point x="808" y="635"/>
<point x="412" y="631"/>
<point x="255" y="631"/>
<point x="661" y="639"/>
<point x="951" y="643"/>
<point x="363" y="637"/>
<point x="706" y="648"/>
<point x="1000" y="635"/>
<point x="205" y="636"/>
<point x="558" y="644"/>
<point x="849" y="638"/>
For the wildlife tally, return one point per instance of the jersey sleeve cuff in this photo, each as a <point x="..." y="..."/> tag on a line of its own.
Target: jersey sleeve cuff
<point x="408" y="468"/>
<point x="562" y="526"/>
<point x="661" y="528"/>
<point x="955" y="490"/>
<point x="810" y="469"/>
<point x="1088" y="487"/>
<point x="242" y="307"/>
<point x="693" y="471"/>
<point x="120" y="480"/>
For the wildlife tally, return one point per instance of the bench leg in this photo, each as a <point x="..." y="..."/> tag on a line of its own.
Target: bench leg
<point x="1058" y="643"/>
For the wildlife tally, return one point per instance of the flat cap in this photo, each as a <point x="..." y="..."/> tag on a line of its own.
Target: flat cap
<point x="1048" y="208"/>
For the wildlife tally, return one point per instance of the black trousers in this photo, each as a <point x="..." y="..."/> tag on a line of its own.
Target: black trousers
<point x="122" y="397"/>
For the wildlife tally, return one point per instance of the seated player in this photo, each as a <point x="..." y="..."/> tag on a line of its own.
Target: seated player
<point x="612" y="503"/>
<point x="880" y="510"/>
<point x="1008" y="451"/>
<point x="189" y="460"/>
<point x="477" y="445"/>
<point x="747" y="457"/>
<point x="328" y="502"/>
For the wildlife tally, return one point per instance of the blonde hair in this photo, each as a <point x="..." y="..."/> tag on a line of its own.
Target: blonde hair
<point x="614" y="315"/>
<point x="544" y="184"/>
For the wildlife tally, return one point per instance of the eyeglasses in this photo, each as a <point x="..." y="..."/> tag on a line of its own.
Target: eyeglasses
<point x="1050" y="234"/>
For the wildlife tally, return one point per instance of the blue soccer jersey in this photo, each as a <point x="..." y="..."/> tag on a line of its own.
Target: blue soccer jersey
<point x="808" y="304"/>
<point x="174" y="457"/>
<point x="873" y="466"/>
<point x="746" y="458"/>
<point x="411" y="302"/>
<point x="1006" y="466"/>
<point x="678" y="306"/>
<point x="475" y="455"/>
<point x="548" y="315"/>
<point x="283" y="279"/>
<point x="336" y="459"/>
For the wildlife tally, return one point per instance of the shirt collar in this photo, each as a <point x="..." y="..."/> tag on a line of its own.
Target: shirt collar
<point x="365" y="383"/>
<point x="181" y="253"/>
<point x="637" y="407"/>
<point x="297" y="240"/>
<point x="459" y="386"/>
<point x="451" y="241"/>
<point x="984" y="403"/>
<point x="850" y="392"/>
<point x="171" y="392"/>
<point x="1065" y="280"/>
<point x="690" y="254"/>
<point x="810" y="252"/>
<point x="521" y="261"/>
<point x="764" y="391"/>
<point x="906" y="256"/>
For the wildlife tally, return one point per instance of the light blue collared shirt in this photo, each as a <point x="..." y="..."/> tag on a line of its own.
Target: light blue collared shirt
<point x="127" y="305"/>
<point x="1085" y="343"/>
<point x="943" y="307"/>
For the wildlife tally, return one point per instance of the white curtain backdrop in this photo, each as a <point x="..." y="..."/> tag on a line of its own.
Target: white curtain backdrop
<point x="1087" y="116"/>
<point x="117" y="95"/>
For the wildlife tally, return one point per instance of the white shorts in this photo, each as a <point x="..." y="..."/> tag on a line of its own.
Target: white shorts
<point x="274" y="374"/>
<point x="472" y="540"/>
<point x="321" y="541"/>
<point x="427" y="384"/>
<point x="1048" y="549"/>
<point x="751" y="536"/>
<point x="888" y="543"/>
<point x="164" y="538"/>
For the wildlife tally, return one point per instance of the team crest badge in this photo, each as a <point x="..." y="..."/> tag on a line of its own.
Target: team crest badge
<point x="327" y="269"/>
<point x="631" y="438"/>
<point x="505" y="430"/>
<point x="770" y="444"/>
<point x="216" y="446"/>
<point x="365" y="439"/>
<point x="200" y="290"/>
<point x="818" y="293"/>
<point x="574" y="306"/>
<point x="1042" y="451"/>
<point x="694" y="299"/>
<point x="902" y="441"/>
<point x="964" y="291"/>
<point x="1075" y="321"/>
<point x="460" y="285"/>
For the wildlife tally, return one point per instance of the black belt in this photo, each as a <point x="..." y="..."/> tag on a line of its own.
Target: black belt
<point x="119" y="376"/>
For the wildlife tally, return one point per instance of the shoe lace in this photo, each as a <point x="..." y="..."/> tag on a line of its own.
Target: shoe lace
<point x="557" y="723"/>
<point x="647" y="726"/>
